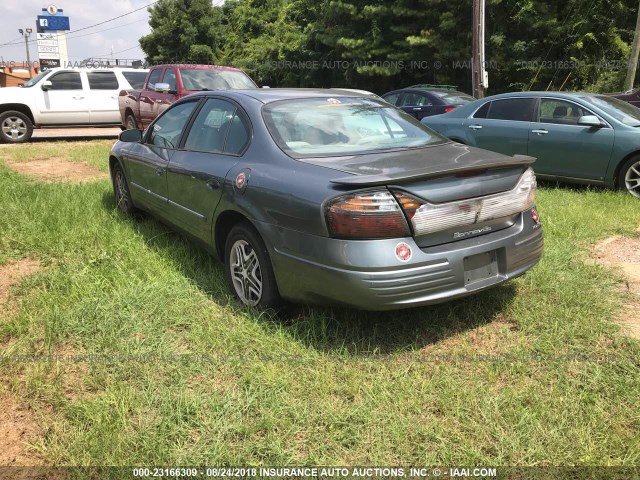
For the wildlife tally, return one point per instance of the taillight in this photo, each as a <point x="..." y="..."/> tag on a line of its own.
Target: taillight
<point x="366" y="215"/>
<point x="449" y="109"/>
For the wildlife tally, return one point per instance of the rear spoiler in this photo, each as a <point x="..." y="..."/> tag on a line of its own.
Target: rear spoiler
<point x="425" y="173"/>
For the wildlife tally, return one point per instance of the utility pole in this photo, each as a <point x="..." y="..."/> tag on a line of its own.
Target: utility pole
<point x="26" y="33"/>
<point x="479" y="76"/>
<point x="633" y="61"/>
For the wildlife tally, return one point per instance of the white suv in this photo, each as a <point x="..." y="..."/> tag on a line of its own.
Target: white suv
<point x="65" y="97"/>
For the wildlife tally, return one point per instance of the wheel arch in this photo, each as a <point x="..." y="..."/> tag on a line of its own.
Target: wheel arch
<point x="223" y="225"/>
<point x="18" y="107"/>
<point x="616" y="171"/>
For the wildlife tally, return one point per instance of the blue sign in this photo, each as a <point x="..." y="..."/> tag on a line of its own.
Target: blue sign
<point x="52" y="22"/>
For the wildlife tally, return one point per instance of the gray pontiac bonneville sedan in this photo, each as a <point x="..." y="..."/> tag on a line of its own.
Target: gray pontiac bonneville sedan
<point x="331" y="197"/>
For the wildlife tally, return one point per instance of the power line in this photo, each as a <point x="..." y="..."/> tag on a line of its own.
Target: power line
<point x="91" y="26"/>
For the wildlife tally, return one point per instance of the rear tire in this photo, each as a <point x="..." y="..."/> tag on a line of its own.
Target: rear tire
<point x="629" y="176"/>
<point x="15" y="127"/>
<point x="121" y="192"/>
<point x="248" y="269"/>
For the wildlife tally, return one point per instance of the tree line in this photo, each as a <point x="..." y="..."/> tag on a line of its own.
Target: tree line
<point x="380" y="45"/>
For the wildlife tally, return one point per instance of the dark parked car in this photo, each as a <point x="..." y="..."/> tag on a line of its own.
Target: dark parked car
<point x="324" y="196"/>
<point x="576" y="137"/>
<point x="632" y="97"/>
<point x="424" y="101"/>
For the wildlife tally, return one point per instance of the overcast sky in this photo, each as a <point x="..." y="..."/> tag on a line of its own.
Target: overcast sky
<point x="96" y="42"/>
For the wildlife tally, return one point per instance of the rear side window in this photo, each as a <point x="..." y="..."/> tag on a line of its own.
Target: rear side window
<point x="66" y="81"/>
<point x="154" y="78"/>
<point x="415" y="100"/>
<point x="514" y="109"/>
<point x="135" y="79"/>
<point x="482" y="111"/>
<point x="102" y="81"/>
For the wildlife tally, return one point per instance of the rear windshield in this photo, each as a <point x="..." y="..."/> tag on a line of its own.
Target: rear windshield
<point x="135" y="79"/>
<point x="214" y="79"/>
<point x="454" y="98"/>
<point x="326" y="127"/>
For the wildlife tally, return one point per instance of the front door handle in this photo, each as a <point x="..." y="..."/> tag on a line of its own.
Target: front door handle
<point x="540" y="132"/>
<point x="159" y="171"/>
<point x="417" y="109"/>
<point x="475" y="127"/>
<point x="77" y="97"/>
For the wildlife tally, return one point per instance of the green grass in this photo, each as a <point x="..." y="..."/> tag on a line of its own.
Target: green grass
<point x="316" y="386"/>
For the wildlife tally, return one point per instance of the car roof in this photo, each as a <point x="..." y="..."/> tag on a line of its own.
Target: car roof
<point x="426" y="90"/>
<point x="268" y="95"/>
<point x="567" y="95"/>
<point x="191" y="66"/>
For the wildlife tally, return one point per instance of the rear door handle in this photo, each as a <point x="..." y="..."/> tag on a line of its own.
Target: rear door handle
<point x="213" y="185"/>
<point x="540" y="132"/>
<point x="417" y="109"/>
<point x="78" y="98"/>
<point x="475" y="127"/>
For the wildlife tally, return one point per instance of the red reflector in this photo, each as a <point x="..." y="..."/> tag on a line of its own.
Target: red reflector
<point x="535" y="216"/>
<point x="403" y="252"/>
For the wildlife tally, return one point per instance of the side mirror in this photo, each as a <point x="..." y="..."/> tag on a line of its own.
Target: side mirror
<point x="590" y="121"/>
<point x="46" y="85"/>
<point x="162" y="87"/>
<point x="265" y="86"/>
<point x="131" y="136"/>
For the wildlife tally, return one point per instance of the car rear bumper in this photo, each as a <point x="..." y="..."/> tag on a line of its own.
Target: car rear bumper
<point x="367" y="274"/>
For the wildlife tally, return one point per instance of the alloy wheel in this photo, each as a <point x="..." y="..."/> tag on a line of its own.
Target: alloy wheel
<point x="122" y="195"/>
<point x="14" y="128"/>
<point x="632" y="179"/>
<point x="246" y="274"/>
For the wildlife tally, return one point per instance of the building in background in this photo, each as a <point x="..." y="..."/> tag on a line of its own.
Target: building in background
<point x="13" y="74"/>
<point x="52" y="26"/>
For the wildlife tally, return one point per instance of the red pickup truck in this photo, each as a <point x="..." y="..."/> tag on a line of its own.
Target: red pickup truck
<point x="167" y="83"/>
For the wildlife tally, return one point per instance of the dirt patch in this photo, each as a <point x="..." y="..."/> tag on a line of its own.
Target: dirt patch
<point x="12" y="274"/>
<point x="17" y="428"/>
<point x="56" y="169"/>
<point x="623" y="255"/>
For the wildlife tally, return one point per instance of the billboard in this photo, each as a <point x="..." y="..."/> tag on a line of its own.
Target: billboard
<point x="52" y="23"/>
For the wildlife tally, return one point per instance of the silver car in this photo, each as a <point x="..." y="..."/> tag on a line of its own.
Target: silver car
<point x="329" y="197"/>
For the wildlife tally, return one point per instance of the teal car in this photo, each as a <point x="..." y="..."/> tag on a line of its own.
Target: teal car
<point x="575" y="137"/>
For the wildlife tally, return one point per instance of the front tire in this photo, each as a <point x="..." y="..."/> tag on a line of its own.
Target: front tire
<point x="629" y="177"/>
<point x="248" y="269"/>
<point x="15" y="127"/>
<point x="131" y="123"/>
<point x="121" y="192"/>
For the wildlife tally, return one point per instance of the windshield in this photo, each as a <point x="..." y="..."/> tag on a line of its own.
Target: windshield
<point x="35" y="79"/>
<point x="214" y="79"/>
<point x="332" y="127"/>
<point x="452" y="98"/>
<point x="622" y="111"/>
